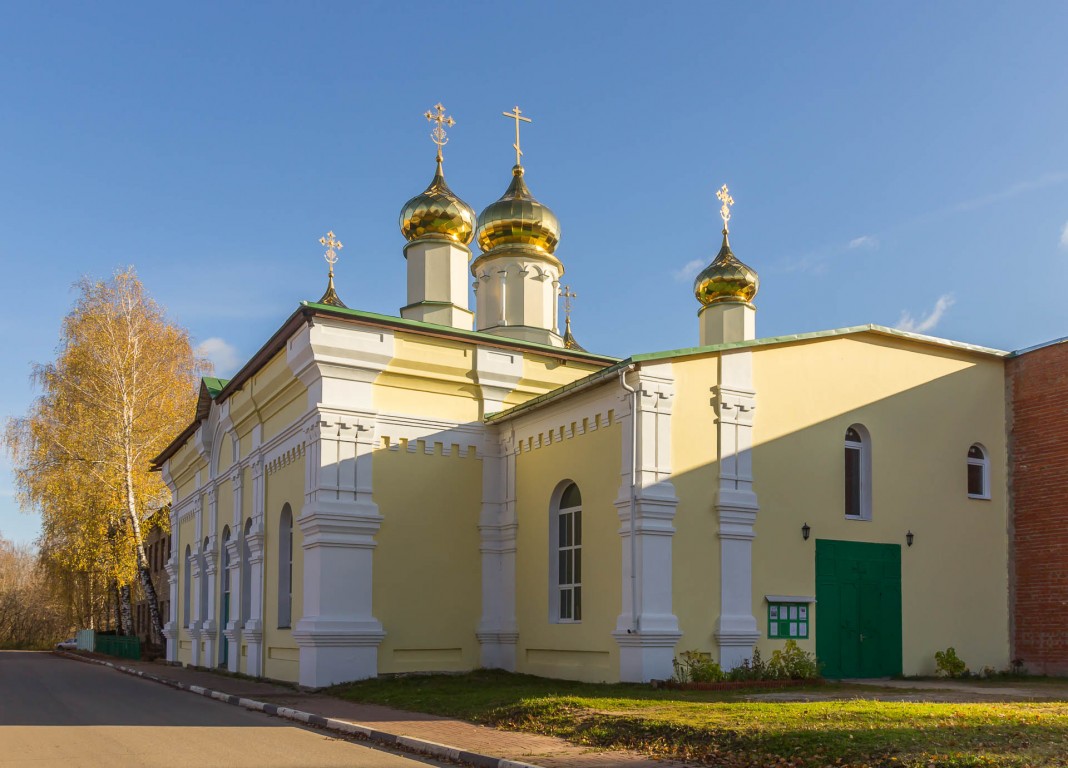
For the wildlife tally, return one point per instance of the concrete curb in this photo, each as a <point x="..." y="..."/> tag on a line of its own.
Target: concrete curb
<point x="407" y="743"/>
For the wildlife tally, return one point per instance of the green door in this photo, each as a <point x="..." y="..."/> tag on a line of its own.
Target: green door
<point x="858" y="608"/>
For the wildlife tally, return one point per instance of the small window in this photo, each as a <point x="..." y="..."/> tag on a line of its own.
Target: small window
<point x="978" y="473"/>
<point x="569" y="556"/>
<point x="857" y="473"/>
<point x="788" y="621"/>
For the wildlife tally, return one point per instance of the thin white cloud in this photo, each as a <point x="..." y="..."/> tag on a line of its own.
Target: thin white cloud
<point x="1064" y="236"/>
<point x="688" y="271"/>
<point x="865" y="242"/>
<point x="929" y="321"/>
<point x="1011" y="191"/>
<point x="221" y="353"/>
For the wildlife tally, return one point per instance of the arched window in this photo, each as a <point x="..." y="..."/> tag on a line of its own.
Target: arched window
<point x="285" y="568"/>
<point x="203" y="609"/>
<point x="978" y="473"/>
<point x="225" y="607"/>
<point x="857" y="473"/>
<point x="187" y="589"/>
<point x="567" y="524"/>
<point x="246" y="567"/>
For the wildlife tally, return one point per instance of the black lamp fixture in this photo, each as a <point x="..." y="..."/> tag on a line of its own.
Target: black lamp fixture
<point x="909" y="537"/>
<point x="805" y="531"/>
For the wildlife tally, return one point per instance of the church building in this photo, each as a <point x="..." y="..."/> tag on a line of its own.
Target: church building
<point x="453" y="488"/>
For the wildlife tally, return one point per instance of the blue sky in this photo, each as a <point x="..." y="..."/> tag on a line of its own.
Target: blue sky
<point x="895" y="163"/>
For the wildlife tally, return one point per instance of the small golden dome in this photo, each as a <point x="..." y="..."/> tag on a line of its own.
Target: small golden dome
<point x="518" y="219"/>
<point x="726" y="279"/>
<point x="438" y="213"/>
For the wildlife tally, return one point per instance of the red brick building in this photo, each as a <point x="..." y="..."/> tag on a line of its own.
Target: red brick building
<point x="1037" y="380"/>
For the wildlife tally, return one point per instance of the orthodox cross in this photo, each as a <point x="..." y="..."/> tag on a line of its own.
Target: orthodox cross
<point x="515" y="115"/>
<point x="438" y="134"/>
<point x="725" y="209"/>
<point x="333" y="245"/>
<point x="568" y="295"/>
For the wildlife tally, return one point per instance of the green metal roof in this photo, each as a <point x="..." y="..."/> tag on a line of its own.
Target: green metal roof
<point x="214" y="386"/>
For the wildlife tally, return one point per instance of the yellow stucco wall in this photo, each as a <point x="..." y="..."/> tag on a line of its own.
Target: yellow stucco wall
<point x="583" y="650"/>
<point x="430" y="377"/>
<point x="923" y="407"/>
<point x="695" y="475"/>
<point x="543" y="374"/>
<point x="427" y="567"/>
<point x="281" y="655"/>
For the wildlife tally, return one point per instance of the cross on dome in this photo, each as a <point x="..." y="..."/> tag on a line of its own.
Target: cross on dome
<point x="438" y="135"/>
<point x="725" y="209"/>
<point x="515" y="115"/>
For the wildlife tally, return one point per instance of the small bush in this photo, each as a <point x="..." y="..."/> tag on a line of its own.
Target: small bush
<point x="793" y="663"/>
<point x="751" y="669"/>
<point x="697" y="667"/>
<point x="950" y="664"/>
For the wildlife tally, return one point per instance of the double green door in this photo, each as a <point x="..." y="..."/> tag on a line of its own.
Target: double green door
<point x="858" y="608"/>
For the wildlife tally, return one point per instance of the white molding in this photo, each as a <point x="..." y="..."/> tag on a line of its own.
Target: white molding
<point x="497" y="631"/>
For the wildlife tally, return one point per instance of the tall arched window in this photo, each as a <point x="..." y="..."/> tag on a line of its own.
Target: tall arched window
<point x="224" y="609"/>
<point x="203" y="610"/>
<point x="246" y="570"/>
<point x="857" y="473"/>
<point x="567" y="522"/>
<point x="187" y="588"/>
<point x="285" y="568"/>
<point x="978" y="473"/>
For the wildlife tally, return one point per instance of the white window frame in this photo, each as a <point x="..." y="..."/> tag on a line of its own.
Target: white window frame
<point x="864" y="448"/>
<point x="984" y="465"/>
<point x="556" y="588"/>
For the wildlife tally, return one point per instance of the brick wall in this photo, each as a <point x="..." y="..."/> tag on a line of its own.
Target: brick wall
<point x="1038" y="388"/>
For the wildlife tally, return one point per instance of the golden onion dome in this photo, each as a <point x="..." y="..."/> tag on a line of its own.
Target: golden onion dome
<point x="438" y="213"/>
<point x="518" y="219"/>
<point x="726" y="279"/>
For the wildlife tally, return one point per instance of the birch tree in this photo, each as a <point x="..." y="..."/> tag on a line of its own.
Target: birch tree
<point x="122" y="387"/>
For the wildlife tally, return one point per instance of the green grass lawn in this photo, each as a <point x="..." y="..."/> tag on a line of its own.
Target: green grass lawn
<point x="723" y="729"/>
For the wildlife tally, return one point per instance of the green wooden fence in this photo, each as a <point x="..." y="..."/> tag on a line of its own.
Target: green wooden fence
<point x="117" y="645"/>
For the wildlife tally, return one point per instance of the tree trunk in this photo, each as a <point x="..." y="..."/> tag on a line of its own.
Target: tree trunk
<point x="155" y="620"/>
<point x="115" y="605"/>
<point x="127" y="612"/>
<point x="92" y="602"/>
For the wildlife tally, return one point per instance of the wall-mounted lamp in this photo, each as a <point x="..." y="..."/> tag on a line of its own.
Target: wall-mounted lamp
<point x="909" y="537"/>
<point x="806" y="529"/>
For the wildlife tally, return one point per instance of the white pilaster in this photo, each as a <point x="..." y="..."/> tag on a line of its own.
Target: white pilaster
<point x="253" y="625"/>
<point x="497" y="630"/>
<point x="736" y="507"/>
<point x="194" y="623"/>
<point x="647" y="629"/>
<point x="232" y="630"/>
<point x="171" y="622"/>
<point x="497" y="373"/>
<point x="338" y="635"/>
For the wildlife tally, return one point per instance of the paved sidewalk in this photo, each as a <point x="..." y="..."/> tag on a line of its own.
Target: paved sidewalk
<point x="543" y="751"/>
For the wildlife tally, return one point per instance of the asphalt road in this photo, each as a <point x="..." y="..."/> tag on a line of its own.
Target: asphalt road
<point x="69" y="714"/>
